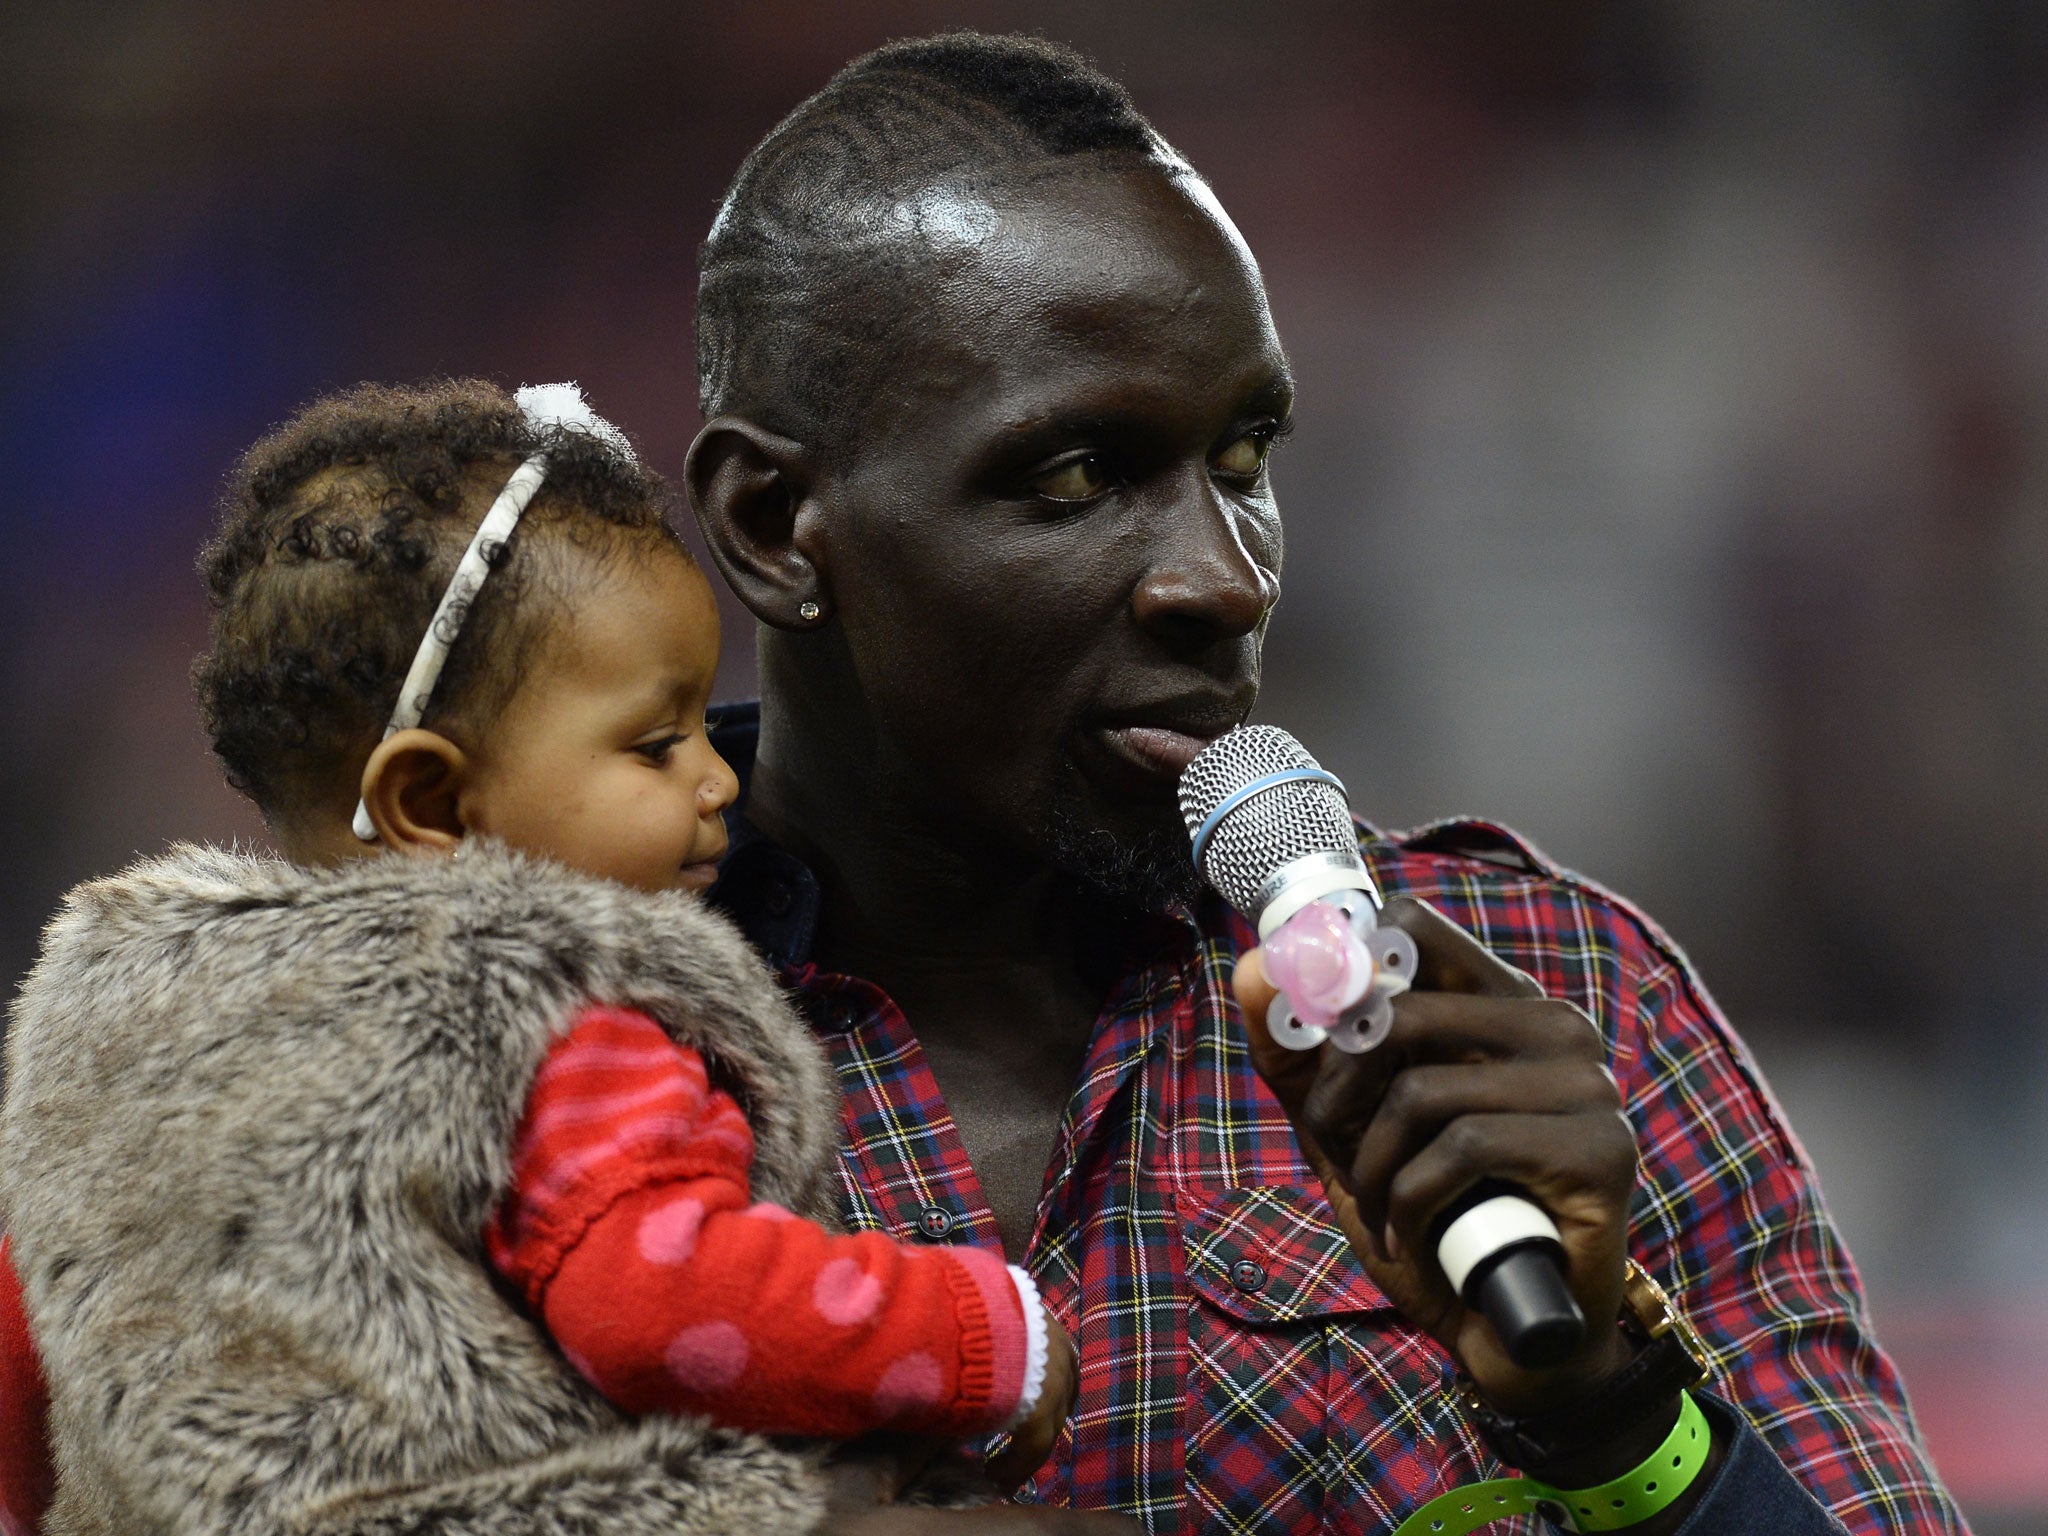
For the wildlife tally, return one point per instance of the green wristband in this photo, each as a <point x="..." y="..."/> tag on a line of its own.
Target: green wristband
<point x="1629" y="1499"/>
<point x="1476" y="1504"/>
<point x="1637" y="1495"/>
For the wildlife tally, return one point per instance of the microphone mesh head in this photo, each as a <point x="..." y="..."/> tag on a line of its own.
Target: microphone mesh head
<point x="1270" y="829"/>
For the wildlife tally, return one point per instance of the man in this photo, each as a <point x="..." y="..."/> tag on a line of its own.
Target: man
<point x="990" y="385"/>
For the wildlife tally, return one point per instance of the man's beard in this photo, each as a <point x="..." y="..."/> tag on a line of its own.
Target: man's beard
<point x="1142" y="869"/>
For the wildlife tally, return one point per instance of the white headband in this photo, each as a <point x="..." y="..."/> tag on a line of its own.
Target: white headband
<point x="545" y="406"/>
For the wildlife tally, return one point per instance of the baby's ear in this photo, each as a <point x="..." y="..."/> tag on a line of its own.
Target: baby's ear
<point x="412" y="789"/>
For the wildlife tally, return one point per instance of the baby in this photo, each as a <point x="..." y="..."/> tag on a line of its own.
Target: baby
<point x="454" y="1176"/>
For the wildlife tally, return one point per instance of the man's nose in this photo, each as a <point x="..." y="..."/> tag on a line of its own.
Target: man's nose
<point x="1206" y="582"/>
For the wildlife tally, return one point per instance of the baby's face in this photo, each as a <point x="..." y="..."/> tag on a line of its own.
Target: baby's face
<point x="600" y="759"/>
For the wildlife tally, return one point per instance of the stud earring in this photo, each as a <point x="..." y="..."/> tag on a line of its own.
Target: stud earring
<point x="810" y="613"/>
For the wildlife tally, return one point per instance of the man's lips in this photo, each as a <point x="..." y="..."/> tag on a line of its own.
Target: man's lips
<point x="1157" y="749"/>
<point x="1162" y="740"/>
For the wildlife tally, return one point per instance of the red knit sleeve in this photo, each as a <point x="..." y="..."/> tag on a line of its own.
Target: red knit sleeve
<point x="27" y="1478"/>
<point x="630" y="1230"/>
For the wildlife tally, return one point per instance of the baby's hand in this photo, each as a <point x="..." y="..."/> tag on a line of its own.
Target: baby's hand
<point x="1032" y="1441"/>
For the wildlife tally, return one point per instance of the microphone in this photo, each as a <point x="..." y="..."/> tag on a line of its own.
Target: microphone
<point x="1272" y="833"/>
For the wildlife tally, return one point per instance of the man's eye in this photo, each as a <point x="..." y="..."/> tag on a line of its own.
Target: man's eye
<point x="658" y="752"/>
<point x="1081" y="479"/>
<point x="1247" y="456"/>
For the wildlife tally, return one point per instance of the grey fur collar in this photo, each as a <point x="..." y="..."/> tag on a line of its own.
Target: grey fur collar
<point x="255" y="1118"/>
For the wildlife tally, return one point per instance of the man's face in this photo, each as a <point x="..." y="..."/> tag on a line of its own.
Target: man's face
<point x="1054" y="552"/>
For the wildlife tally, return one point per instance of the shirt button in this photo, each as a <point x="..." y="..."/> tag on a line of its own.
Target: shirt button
<point x="1247" y="1276"/>
<point x="935" y="1222"/>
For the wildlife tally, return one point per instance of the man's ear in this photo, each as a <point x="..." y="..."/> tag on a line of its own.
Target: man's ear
<point x="413" y="786"/>
<point x="751" y="491"/>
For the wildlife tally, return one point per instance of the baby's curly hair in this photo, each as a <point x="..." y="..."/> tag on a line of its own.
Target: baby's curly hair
<point x="339" y="532"/>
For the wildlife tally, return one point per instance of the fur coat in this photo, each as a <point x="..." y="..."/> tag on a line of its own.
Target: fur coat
<point x="255" y="1117"/>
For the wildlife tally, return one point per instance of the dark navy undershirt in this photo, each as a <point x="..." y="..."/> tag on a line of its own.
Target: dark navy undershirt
<point x="771" y="894"/>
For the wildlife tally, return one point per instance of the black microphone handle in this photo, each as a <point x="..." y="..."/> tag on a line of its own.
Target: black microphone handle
<point x="1514" y="1273"/>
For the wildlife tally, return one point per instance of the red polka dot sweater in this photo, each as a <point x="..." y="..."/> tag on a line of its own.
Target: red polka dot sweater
<point x="631" y="1233"/>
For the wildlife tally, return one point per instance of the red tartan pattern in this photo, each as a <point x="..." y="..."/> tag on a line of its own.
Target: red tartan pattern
<point x="1304" y="1403"/>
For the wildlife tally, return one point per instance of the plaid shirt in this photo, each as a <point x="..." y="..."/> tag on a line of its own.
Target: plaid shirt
<point x="1238" y="1370"/>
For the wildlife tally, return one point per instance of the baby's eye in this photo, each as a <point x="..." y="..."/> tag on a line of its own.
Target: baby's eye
<point x="1081" y="479"/>
<point x="658" y="751"/>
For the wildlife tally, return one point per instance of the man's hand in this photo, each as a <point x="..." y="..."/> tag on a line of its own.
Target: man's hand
<point x="863" y="1490"/>
<point x="1482" y="1076"/>
<point x="861" y="1504"/>
<point x="1033" y="1440"/>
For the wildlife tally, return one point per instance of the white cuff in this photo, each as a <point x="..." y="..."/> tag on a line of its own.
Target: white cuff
<point x="1036" y="1346"/>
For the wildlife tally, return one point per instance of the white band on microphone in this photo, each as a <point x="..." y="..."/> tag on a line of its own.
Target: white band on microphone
<point x="1488" y="1227"/>
<point x="1293" y="886"/>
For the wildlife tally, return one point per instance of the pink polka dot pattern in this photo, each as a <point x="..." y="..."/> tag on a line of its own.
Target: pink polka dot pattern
<point x="707" y="1357"/>
<point x="578" y="1364"/>
<point x="846" y="1294"/>
<point x="668" y="1233"/>
<point x="768" y="1210"/>
<point x="912" y="1383"/>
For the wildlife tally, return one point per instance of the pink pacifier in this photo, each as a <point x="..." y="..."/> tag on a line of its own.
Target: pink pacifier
<point x="1338" y="973"/>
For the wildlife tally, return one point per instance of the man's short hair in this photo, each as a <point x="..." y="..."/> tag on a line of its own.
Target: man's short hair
<point x="808" y="285"/>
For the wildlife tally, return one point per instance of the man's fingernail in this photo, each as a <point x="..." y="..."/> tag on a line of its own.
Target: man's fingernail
<point x="1390" y="1241"/>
